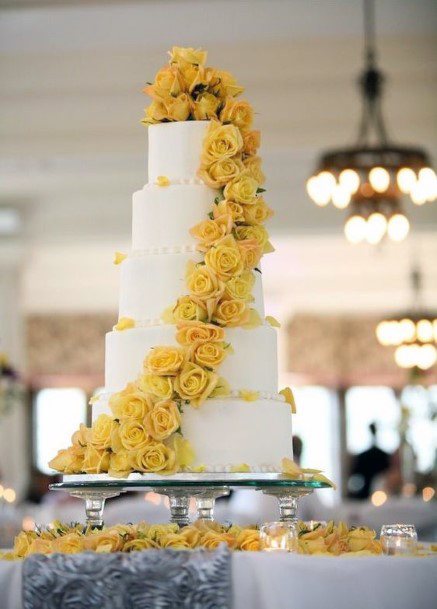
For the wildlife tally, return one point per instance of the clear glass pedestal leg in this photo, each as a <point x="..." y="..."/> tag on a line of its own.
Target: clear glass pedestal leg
<point x="205" y="501"/>
<point x="288" y="501"/>
<point x="179" y="503"/>
<point x="94" y="504"/>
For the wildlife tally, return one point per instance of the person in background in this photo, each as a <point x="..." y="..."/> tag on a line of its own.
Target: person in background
<point x="366" y="466"/>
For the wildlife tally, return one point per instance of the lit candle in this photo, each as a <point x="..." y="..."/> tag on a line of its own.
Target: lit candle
<point x="278" y="537"/>
<point x="399" y="539"/>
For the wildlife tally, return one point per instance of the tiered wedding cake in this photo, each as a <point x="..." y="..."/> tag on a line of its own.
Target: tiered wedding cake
<point x="191" y="366"/>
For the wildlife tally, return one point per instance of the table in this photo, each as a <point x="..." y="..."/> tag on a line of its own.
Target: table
<point x="288" y="581"/>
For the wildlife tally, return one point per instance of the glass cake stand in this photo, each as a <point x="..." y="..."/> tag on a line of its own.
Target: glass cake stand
<point x="205" y="488"/>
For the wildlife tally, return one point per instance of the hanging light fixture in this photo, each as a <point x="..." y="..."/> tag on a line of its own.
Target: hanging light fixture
<point x="413" y="332"/>
<point x="371" y="178"/>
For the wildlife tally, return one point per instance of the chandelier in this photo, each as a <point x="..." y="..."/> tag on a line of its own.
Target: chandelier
<point x="413" y="332"/>
<point x="372" y="177"/>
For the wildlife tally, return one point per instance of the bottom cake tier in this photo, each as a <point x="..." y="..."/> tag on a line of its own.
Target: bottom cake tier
<point x="234" y="435"/>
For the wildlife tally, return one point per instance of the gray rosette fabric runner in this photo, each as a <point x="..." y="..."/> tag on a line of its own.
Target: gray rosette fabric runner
<point x="155" y="579"/>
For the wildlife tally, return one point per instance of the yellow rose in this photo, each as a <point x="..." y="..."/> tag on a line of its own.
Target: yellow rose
<point x="189" y="333"/>
<point x="82" y="436"/>
<point x="195" y="384"/>
<point x="163" y="420"/>
<point x="231" y="313"/>
<point x="185" y="309"/>
<point x="159" y="386"/>
<point x="192" y="535"/>
<point x="209" y="232"/>
<point x="248" y="540"/>
<point x="168" y="82"/>
<point x="221" y="142"/>
<point x="253" y="167"/>
<point x="73" y="543"/>
<point x="257" y="213"/>
<point x="208" y="355"/>
<point x="226" y="85"/>
<point x="95" y="461"/>
<point x="131" y="403"/>
<point x="140" y="544"/>
<point x="130" y="435"/>
<point x="155" y="457"/>
<point x="174" y="540"/>
<point x="203" y="283"/>
<point x="68" y="460"/>
<point x="178" y="108"/>
<point x="251" y="142"/>
<point x="155" y="113"/>
<point x="361" y="538"/>
<point x="242" y="190"/>
<point x="240" y="288"/>
<point x="101" y="431"/>
<point x="224" y="208"/>
<point x="251" y="252"/>
<point x="104" y="542"/>
<point x="157" y="531"/>
<point x="211" y="540"/>
<point x="120" y="464"/>
<point x="184" y="55"/>
<point x="164" y="361"/>
<point x="312" y="546"/>
<point x="196" y="79"/>
<point x="221" y="172"/>
<point x="184" y="451"/>
<point x="225" y="259"/>
<point x="259" y="233"/>
<point x="40" y="546"/>
<point x="22" y="543"/>
<point x="205" y="107"/>
<point x="239" y="113"/>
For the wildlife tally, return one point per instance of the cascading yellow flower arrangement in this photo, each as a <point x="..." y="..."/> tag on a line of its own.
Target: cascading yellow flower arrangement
<point x="143" y="433"/>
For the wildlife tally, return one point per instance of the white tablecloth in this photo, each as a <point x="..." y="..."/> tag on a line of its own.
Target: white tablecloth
<point x="278" y="581"/>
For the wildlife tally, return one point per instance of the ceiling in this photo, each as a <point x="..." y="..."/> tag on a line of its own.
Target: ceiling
<point x="72" y="149"/>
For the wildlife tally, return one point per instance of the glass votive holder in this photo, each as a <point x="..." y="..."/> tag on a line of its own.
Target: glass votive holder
<point x="278" y="537"/>
<point x="399" y="539"/>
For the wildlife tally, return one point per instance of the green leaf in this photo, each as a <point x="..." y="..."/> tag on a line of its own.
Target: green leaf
<point x="260" y="190"/>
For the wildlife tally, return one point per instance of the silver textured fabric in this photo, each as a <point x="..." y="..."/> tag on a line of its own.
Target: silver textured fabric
<point x="154" y="579"/>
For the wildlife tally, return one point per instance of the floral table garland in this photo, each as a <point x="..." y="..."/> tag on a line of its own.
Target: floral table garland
<point x="144" y="432"/>
<point x="330" y="539"/>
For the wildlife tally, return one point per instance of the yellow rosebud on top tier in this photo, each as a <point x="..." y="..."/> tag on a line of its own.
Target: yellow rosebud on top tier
<point x="237" y="112"/>
<point x="183" y="55"/>
<point x="162" y="181"/>
<point x="119" y="257"/>
<point x="124" y="323"/>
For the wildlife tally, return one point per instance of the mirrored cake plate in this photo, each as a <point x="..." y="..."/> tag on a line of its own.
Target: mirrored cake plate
<point x="180" y="488"/>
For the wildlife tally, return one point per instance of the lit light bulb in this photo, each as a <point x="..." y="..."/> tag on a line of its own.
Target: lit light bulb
<point x="383" y="333"/>
<point x="406" y="178"/>
<point x="426" y="357"/>
<point x="379" y="179"/>
<point x="425" y="332"/>
<point x="428" y="180"/>
<point x="435" y="330"/>
<point x="418" y="193"/>
<point x="341" y="197"/>
<point x="398" y="227"/>
<point x="355" y="229"/>
<point x="350" y="180"/>
<point x="376" y="227"/>
<point x="327" y="181"/>
<point x="407" y="331"/>
<point x="404" y="356"/>
<point x="316" y="191"/>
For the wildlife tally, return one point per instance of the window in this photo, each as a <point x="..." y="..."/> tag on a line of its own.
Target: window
<point x="57" y="414"/>
<point x="365" y="405"/>
<point x="316" y="424"/>
<point x="422" y="431"/>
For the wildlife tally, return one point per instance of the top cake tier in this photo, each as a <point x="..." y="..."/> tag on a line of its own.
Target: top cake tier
<point x="175" y="150"/>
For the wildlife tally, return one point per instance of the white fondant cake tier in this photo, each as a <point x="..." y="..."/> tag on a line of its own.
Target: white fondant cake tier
<point x="163" y="216"/>
<point x="225" y="433"/>
<point x="151" y="282"/>
<point x="253" y="365"/>
<point x="175" y="150"/>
